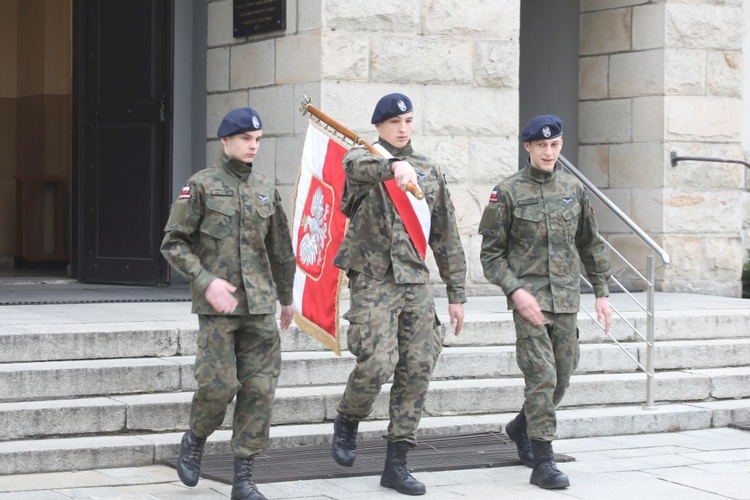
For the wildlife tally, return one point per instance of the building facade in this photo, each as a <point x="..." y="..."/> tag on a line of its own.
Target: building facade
<point x="633" y="80"/>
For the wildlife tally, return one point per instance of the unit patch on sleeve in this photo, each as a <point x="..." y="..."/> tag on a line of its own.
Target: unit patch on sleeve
<point x="185" y="193"/>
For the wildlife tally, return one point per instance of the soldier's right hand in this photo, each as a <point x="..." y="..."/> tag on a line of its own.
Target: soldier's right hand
<point x="219" y="293"/>
<point x="527" y="307"/>
<point x="404" y="173"/>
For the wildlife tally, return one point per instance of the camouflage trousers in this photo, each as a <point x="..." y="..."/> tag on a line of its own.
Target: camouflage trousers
<point x="547" y="355"/>
<point x="392" y="331"/>
<point x="237" y="355"/>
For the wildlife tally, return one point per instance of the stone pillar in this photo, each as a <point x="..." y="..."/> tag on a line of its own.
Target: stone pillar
<point x="458" y="64"/>
<point x="269" y="72"/>
<point x="746" y="130"/>
<point x="658" y="78"/>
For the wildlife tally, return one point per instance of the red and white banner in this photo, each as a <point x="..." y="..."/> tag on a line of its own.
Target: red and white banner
<point x="317" y="233"/>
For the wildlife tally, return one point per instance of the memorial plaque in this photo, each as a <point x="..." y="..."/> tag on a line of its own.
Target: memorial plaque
<point x="252" y="17"/>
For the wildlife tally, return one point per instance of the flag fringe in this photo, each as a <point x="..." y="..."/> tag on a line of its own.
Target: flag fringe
<point x="318" y="333"/>
<point x="303" y="323"/>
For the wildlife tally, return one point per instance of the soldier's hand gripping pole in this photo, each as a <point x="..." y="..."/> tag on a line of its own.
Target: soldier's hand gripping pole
<point x="342" y="132"/>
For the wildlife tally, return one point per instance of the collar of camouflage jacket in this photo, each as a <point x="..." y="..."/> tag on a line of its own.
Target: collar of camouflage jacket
<point x="541" y="176"/>
<point x="234" y="167"/>
<point x="397" y="152"/>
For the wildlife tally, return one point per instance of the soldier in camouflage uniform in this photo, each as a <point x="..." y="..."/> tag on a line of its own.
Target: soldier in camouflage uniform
<point x="228" y="235"/>
<point x="537" y="229"/>
<point x="393" y="327"/>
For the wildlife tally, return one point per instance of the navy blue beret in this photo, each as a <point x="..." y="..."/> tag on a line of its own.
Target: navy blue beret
<point x="542" y="127"/>
<point x="238" y="121"/>
<point x="391" y="105"/>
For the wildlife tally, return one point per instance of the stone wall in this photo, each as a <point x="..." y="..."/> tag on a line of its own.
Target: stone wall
<point x="658" y="77"/>
<point x="271" y="73"/>
<point x="655" y="77"/>
<point x="458" y="65"/>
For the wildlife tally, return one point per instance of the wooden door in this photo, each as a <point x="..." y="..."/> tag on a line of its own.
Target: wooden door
<point x="124" y="94"/>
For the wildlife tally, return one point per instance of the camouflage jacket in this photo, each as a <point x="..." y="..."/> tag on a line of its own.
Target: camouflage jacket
<point x="376" y="240"/>
<point x="535" y="229"/>
<point x="229" y="223"/>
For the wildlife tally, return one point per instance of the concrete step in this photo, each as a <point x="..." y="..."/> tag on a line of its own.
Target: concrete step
<point x="85" y="453"/>
<point x="60" y="341"/>
<point x="159" y="412"/>
<point x="109" y="385"/>
<point x="70" y="379"/>
<point x="500" y="361"/>
<point x="496" y="328"/>
<point x="107" y="377"/>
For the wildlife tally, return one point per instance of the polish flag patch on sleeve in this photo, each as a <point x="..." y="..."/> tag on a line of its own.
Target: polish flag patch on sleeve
<point x="185" y="193"/>
<point x="493" y="196"/>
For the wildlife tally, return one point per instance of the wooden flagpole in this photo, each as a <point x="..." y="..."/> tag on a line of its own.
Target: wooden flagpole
<point x="333" y="127"/>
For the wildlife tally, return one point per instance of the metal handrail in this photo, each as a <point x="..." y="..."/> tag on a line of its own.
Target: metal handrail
<point x="615" y="209"/>
<point x="649" y="279"/>
<point x="675" y="159"/>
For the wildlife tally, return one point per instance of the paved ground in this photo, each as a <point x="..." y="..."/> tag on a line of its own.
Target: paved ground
<point x="479" y="308"/>
<point x="704" y="464"/>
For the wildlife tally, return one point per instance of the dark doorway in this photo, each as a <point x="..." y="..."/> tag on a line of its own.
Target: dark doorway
<point x="123" y="61"/>
<point x="549" y="67"/>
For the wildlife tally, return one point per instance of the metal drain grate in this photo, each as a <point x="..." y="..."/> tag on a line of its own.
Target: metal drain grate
<point x="84" y="293"/>
<point x="453" y="452"/>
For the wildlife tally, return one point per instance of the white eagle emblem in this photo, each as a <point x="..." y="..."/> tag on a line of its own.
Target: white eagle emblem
<point x="401" y="105"/>
<point x="313" y="242"/>
<point x="546" y="132"/>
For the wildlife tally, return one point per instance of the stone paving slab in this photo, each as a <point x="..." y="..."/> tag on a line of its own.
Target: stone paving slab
<point x="612" y="467"/>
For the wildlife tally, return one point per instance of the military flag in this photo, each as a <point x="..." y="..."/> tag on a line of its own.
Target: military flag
<point x="319" y="225"/>
<point x="317" y="232"/>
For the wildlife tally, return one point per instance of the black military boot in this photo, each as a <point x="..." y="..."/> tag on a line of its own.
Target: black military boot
<point x="243" y="487"/>
<point x="396" y="475"/>
<point x="545" y="473"/>
<point x="189" y="461"/>
<point x="516" y="430"/>
<point x="344" y="445"/>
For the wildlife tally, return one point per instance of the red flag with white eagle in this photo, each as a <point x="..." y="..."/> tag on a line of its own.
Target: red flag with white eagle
<point x="317" y="233"/>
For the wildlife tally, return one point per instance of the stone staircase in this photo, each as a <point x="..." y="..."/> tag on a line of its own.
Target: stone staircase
<point x="77" y="395"/>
